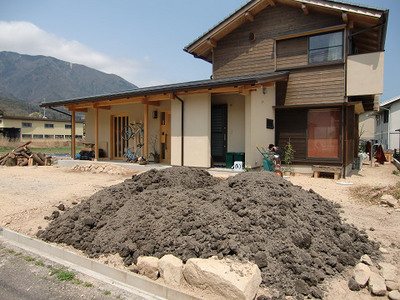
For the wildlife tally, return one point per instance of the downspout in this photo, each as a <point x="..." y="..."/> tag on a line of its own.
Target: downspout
<point x="182" y="127"/>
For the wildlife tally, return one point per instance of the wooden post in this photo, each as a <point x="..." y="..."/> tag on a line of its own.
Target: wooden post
<point x="96" y="133"/>
<point x="73" y="134"/>
<point x="146" y="131"/>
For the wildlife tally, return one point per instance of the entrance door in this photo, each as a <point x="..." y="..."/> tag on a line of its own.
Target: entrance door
<point x="165" y="137"/>
<point x="118" y="143"/>
<point x="218" y="132"/>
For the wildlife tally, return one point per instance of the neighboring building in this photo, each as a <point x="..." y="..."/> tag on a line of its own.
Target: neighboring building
<point x="388" y="124"/>
<point x="282" y="69"/>
<point x="366" y="126"/>
<point x="26" y="128"/>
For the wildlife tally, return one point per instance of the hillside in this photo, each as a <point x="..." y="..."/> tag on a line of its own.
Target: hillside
<point x="34" y="79"/>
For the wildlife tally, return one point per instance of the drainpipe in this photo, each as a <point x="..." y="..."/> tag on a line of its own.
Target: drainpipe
<point x="182" y="127"/>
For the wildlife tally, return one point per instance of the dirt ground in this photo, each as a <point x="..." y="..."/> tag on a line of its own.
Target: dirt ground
<point x="29" y="194"/>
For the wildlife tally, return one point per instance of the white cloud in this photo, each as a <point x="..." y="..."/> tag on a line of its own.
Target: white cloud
<point x="27" y="38"/>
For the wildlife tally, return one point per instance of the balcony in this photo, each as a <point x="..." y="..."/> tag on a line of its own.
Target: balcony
<point x="365" y="74"/>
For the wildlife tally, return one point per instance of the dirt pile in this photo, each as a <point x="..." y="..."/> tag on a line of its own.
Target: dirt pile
<point x="295" y="236"/>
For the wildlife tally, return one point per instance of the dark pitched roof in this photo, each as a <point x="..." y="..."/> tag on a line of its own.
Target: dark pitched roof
<point x="179" y="87"/>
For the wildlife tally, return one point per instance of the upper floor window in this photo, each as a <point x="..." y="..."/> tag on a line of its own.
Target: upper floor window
<point x="48" y="125"/>
<point x="26" y="124"/>
<point x="325" y="47"/>
<point x="68" y="126"/>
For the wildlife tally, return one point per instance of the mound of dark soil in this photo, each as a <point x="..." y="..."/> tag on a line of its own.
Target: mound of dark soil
<point x="295" y="236"/>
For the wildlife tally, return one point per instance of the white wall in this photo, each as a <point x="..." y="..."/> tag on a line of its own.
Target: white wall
<point x="365" y="74"/>
<point x="197" y="131"/>
<point x="259" y="107"/>
<point x="394" y="120"/>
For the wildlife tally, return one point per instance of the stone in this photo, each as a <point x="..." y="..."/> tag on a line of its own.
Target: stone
<point x="171" y="269"/>
<point x="366" y="260"/>
<point x="226" y="278"/>
<point x="389" y="200"/>
<point x="376" y="285"/>
<point x="392" y="285"/>
<point x="394" y="295"/>
<point x="148" y="266"/>
<point x="383" y="250"/>
<point x="388" y="271"/>
<point x="361" y="274"/>
<point x="353" y="285"/>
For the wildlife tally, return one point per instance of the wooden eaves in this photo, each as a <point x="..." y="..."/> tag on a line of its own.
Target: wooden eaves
<point x="357" y="17"/>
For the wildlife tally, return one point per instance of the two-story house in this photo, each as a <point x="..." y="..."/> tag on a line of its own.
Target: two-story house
<point x="282" y="69"/>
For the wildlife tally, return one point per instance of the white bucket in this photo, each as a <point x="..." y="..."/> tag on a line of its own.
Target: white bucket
<point x="238" y="166"/>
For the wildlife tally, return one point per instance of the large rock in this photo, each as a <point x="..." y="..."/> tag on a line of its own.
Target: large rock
<point x="171" y="269"/>
<point x="389" y="200"/>
<point x="377" y="285"/>
<point x="148" y="266"/>
<point x="392" y="285"/>
<point x="226" y="278"/>
<point x="394" y="295"/>
<point x="366" y="260"/>
<point x="388" y="271"/>
<point x="361" y="274"/>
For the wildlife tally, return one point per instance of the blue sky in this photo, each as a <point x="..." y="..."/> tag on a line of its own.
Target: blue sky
<point x="141" y="41"/>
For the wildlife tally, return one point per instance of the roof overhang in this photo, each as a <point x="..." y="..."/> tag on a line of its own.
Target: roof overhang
<point x="152" y="95"/>
<point x="357" y="16"/>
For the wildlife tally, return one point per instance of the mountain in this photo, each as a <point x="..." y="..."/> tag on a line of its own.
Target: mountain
<point x="36" y="79"/>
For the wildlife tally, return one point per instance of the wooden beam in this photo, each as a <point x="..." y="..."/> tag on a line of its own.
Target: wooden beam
<point x="212" y="42"/>
<point x="304" y="9"/>
<point x="154" y="103"/>
<point x="146" y="131"/>
<point x="271" y="2"/>
<point x="345" y="17"/>
<point x="249" y="16"/>
<point x="73" y="134"/>
<point x="96" y="134"/>
<point x="351" y="24"/>
<point x="76" y="109"/>
<point x="102" y="107"/>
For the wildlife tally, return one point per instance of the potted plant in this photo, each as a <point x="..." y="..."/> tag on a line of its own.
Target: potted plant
<point x="154" y="153"/>
<point x="288" y="158"/>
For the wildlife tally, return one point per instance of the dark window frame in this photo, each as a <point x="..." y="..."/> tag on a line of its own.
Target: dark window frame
<point x="48" y="125"/>
<point x="325" y="49"/>
<point x="26" y="124"/>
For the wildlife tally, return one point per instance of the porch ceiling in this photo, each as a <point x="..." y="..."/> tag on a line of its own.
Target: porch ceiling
<point x="153" y="95"/>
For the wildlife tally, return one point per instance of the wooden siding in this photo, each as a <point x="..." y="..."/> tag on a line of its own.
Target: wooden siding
<point x="236" y="55"/>
<point x="316" y="85"/>
<point x="291" y="53"/>
<point x="350" y="137"/>
<point x="292" y="124"/>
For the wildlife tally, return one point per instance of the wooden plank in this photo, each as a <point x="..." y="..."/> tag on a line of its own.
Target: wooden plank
<point x="146" y="131"/>
<point x="73" y="130"/>
<point x="96" y="133"/>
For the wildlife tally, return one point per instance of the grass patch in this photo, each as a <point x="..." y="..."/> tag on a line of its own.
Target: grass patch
<point x="87" y="284"/>
<point x="39" y="263"/>
<point x="107" y="293"/>
<point x="48" y="150"/>
<point x="62" y="274"/>
<point x="77" y="281"/>
<point x="372" y="195"/>
<point x="10" y="251"/>
<point x="28" y="258"/>
<point x="18" y="254"/>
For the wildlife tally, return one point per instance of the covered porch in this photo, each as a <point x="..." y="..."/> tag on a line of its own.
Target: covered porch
<point x="177" y="119"/>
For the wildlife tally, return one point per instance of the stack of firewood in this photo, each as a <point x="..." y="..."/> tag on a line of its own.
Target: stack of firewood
<point x="24" y="156"/>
